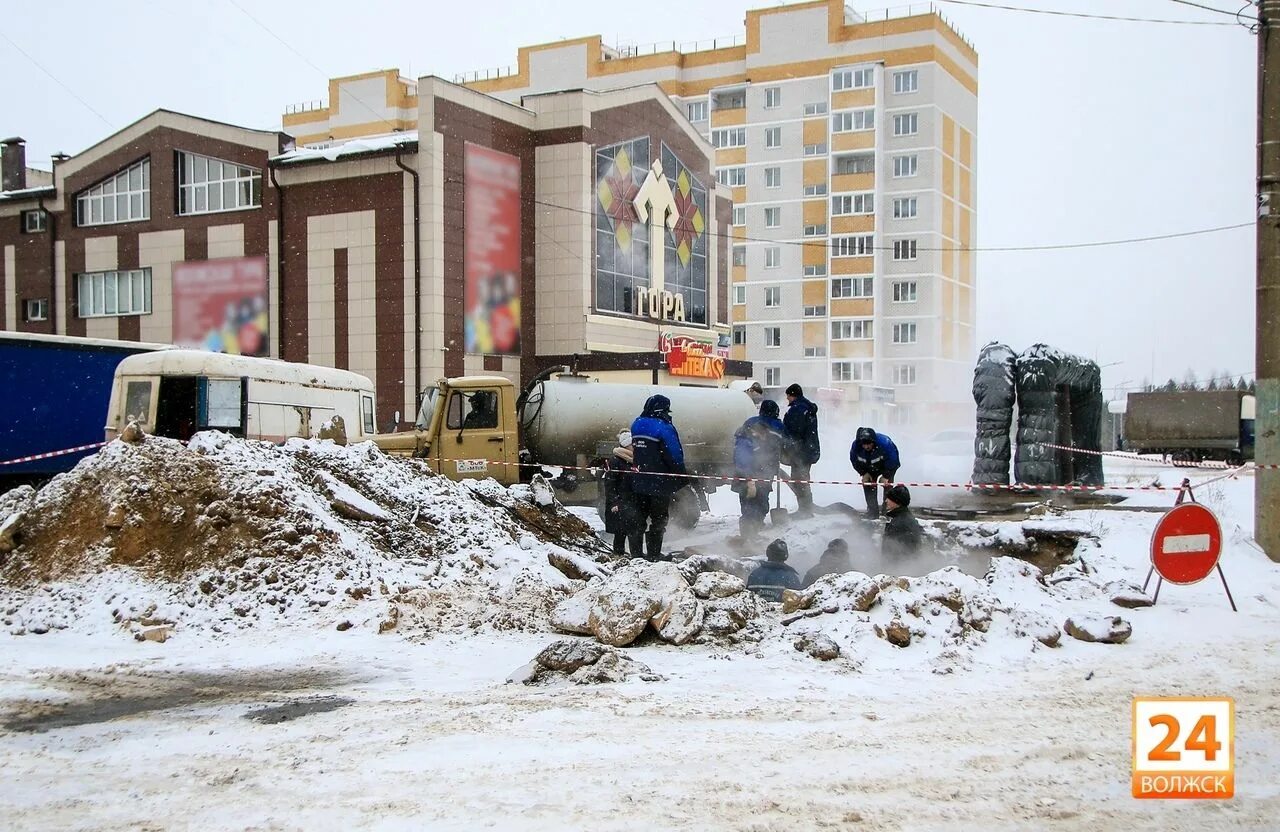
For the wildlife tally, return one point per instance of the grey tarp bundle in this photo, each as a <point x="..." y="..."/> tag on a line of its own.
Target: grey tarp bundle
<point x="1059" y="403"/>
<point x="993" y="391"/>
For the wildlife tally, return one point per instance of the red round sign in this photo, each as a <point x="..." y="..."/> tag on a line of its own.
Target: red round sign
<point x="1186" y="544"/>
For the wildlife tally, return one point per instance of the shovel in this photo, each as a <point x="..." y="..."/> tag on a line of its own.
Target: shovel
<point x="778" y="515"/>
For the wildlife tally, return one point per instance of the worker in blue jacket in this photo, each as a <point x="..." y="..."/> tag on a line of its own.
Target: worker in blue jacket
<point x="802" y="446"/>
<point x="875" y="457"/>
<point x="769" y="579"/>
<point x="659" y="460"/>
<point x="757" y="452"/>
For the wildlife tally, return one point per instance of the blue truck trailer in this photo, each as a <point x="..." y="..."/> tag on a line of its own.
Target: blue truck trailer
<point x="54" y="392"/>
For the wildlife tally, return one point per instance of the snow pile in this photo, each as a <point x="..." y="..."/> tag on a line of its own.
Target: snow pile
<point x="224" y="533"/>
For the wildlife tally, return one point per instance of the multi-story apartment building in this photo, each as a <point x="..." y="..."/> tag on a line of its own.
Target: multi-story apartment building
<point x="848" y="143"/>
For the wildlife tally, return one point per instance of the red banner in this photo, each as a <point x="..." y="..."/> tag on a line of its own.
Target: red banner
<point x="221" y="305"/>
<point x="492" y="299"/>
<point x="690" y="357"/>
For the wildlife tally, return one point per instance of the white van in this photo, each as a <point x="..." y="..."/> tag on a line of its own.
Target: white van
<point x="176" y="393"/>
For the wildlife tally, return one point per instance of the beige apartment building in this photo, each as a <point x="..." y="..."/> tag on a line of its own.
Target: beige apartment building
<point x="847" y="141"/>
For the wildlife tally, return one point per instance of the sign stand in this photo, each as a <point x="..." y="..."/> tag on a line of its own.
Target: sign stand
<point x="1181" y="538"/>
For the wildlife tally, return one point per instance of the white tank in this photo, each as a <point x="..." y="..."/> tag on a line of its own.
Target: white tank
<point x="570" y="418"/>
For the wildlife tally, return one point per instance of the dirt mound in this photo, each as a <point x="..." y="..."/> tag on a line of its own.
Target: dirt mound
<point x="226" y="532"/>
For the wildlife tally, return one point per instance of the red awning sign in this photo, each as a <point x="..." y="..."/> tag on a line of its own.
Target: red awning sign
<point x="1186" y="544"/>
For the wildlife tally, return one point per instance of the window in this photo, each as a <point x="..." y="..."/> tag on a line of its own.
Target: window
<point x="846" y="204"/>
<point x="819" y="311"/>
<point x="772" y="98"/>
<point x="772" y="217"/>
<point x="735" y="100"/>
<point x="851" y="287"/>
<point x="739" y="294"/>
<point x="848" y="371"/>
<point x="818" y="108"/>
<point x="904" y="375"/>
<point x="904" y="250"/>
<point x="124" y="197"/>
<point x="906" y="81"/>
<point x="366" y="415"/>
<point x="852" y="79"/>
<point x="773" y="177"/>
<point x="697" y="111"/>
<point x="739" y="215"/>
<point x="856" y="245"/>
<point x="207" y="185"/>
<point x="732" y="177"/>
<point x="857" y="163"/>
<point x="33" y="222"/>
<point x="815" y="149"/>
<point x="125" y="292"/>
<point x="729" y="137"/>
<point x="819" y="230"/>
<point x="224" y="403"/>
<point x="772" y="296"/>
<point x="137" y="401"/>
<point x="477" y="410"/>
<point x="816" y="190"/>
<point x="772" y="257"/>
<point x="739" y="335"/>
<point x="815" y="352"/>
<point x="772" y="376"/>
<point x="904" y="208"/>
<point x="904" y="166"/>
<point x="904" y="333"/>
<point x="851" y="120"/>
<point x="36" y="309"/>
<point x="815" y="271"/>
<point x="850" y="330"/>
<point x="906" y="124"/>
<point x="739" y="255"/>
<point x="904" y="291"/>
<point x="772" y="137"/>
<point x="773" y="336"/>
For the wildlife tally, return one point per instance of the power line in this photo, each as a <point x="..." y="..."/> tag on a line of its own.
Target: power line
<point x="56" y="80"/>
<point x="1085" y="15"/>
<point x="1202" y="6"/>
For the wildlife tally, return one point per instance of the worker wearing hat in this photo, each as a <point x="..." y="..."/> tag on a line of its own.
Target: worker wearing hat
<point x="770" y="578"/>
<point x="903" y="535"/>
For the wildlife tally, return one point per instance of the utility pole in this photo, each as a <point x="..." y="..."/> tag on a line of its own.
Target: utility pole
<point x="1266" y="505"/>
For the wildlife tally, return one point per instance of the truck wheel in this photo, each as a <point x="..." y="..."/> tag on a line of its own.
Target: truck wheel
<point x="685" y="510"/>
<point x="1235" y="459"/>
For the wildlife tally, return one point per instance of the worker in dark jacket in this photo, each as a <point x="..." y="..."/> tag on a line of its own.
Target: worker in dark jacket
<point x="660" y="469"/>
<point x="770" y="578"/>
<point x="903" y="535"/>
<point x="803" y="448"/>
<point x="757" y="452"/>
<point x="834" y="561"/>
<point x="621" y="516"/>
<point x="875" y="457"/>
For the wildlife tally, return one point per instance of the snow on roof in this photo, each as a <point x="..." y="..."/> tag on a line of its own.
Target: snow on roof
<point x="355" y="147"/>
<point x="216" y="364"/>
<point x="28" y="193"/>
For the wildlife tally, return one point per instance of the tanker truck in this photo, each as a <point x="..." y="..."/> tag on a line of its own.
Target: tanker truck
<point x="476" y="427"/>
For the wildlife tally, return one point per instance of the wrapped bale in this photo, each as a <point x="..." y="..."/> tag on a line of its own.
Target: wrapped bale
<point x="1036" y="374"/>
<point x="994" y="394"/>
<point x="1083" y="382"/>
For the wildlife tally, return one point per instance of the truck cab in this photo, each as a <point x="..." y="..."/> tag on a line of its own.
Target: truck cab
<point x="466" y="429"/>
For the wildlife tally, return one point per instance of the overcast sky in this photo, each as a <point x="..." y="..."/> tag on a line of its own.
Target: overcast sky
<point x="1088" y="130"/>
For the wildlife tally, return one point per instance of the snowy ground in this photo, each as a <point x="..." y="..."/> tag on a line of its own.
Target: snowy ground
<point x="425" y="734"/>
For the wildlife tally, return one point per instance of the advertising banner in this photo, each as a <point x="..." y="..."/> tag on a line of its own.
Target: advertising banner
<point x="221" y="305"/>
<point x="691" y="357"/>
<point x="492" y="296"/>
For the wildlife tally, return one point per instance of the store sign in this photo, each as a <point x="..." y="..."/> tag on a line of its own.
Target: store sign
<point x="690" y="357"/>
<point x="656" y="207"/>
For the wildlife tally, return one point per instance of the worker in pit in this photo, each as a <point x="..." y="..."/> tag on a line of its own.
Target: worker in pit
<point x="770" y="578"/>
<point x="660" y="468"/>
<point x="834" y="561"/>
<point x="757" y="452"/>
<point x="621" y="515"/>
<point x="875" y="457"/>
<point x="802" y="446"/>
<point x="903" y="535"/>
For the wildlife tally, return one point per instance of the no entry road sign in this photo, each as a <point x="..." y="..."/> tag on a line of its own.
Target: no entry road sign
<point x="1186" y="544"/>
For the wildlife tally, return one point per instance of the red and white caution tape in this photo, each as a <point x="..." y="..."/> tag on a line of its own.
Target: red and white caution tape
<point x="52" y="454"/>
<point x="1217" y="466"/>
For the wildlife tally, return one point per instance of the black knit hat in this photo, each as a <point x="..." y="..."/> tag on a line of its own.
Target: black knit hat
<point x="777" y="550"/>
<point x="899" y="494"/>
<point x="795" y="390"/>
<point x="769" y="407"/>
<point x="838" y="545"/>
